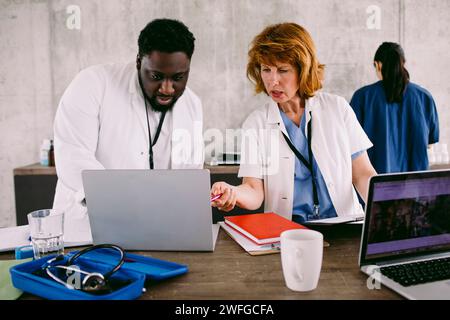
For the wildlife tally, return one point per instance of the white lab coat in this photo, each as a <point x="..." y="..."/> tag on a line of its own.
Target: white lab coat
<point x="336" y="135"/>
<point x="101" y="124"/>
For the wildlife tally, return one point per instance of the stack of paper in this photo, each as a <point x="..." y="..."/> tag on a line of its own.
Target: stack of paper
<point x="354" y="219"/>
<point x="10" y="238"/>
<point x="13" y="237"/>
<point x="248" y="245"/>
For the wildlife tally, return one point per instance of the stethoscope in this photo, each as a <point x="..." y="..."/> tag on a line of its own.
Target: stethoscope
<point x="92" y="281"/>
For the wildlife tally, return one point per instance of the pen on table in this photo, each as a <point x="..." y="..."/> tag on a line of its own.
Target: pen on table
<point x="357" y="219"/>
<point x="271" y="246"/>
<point x="275" y="246"/>
<point x="216" y="197"/>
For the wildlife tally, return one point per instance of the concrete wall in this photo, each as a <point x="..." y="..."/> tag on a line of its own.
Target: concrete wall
<point x="41" y="50"/>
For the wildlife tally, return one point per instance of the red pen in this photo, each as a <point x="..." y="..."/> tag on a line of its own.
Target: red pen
<point x="216" y="197"/>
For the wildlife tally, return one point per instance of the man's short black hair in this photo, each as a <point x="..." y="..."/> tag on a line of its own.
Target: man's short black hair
<point x="166" y="35"/>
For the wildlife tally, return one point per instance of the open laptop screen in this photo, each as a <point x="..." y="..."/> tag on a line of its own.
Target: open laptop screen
<point x="408" y="214"/>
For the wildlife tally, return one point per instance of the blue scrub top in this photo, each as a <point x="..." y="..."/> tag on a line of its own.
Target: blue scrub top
<point x="400" y="132"/>
<point x="303" y="192"/>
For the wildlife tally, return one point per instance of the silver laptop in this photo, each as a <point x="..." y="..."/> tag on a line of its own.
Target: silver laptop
<point x="162" y="210"/>
<point x="406" y="235"/>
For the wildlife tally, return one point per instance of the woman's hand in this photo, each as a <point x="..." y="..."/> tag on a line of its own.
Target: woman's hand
<point x="227" y="200"/>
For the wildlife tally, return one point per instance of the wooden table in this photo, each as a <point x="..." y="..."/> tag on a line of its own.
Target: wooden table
<point x="229" y="273"/>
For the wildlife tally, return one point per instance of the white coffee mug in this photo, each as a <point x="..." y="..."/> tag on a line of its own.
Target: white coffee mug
<point x="301" y="258"/>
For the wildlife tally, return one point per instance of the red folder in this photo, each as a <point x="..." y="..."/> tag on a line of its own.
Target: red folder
<point x="262" y="228"/>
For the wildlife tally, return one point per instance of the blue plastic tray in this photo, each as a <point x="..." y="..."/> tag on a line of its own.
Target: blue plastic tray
<point x="136" y="269"/>
<point x="154" y="269"/>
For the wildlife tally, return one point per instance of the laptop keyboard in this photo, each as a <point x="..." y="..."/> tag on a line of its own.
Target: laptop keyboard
<point x="418" y="272"/>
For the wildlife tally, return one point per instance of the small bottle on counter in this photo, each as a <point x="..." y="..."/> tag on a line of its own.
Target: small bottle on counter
<point x="445" y="155"/>
<point x="431" y="155"/>
<point x="51" y="153"/>
<point x="47" y="157"/>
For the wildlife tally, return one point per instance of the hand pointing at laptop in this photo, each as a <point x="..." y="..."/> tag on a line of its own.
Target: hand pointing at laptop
<point x="249" y="195"/>
<point x="223" y="196"/>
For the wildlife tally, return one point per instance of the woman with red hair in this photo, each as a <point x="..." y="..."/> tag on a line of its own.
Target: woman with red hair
<point x="303" y="151"/>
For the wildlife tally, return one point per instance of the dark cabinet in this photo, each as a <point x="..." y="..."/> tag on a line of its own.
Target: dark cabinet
<point x="34" y="188"/>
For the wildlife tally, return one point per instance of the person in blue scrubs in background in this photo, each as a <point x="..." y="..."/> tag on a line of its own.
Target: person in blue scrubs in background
<point x="399" y="117"/>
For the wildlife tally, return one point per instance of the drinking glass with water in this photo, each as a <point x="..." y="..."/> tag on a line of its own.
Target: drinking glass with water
<point x="46" y="232"/>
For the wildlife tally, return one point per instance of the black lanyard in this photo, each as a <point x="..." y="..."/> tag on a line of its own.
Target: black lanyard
<point x="307" y="164"/>
<point x="158" y="131"/>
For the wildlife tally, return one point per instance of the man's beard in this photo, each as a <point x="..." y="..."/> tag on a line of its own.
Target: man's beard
<point x="155" y="106"/>
<point x="160" y="107"/>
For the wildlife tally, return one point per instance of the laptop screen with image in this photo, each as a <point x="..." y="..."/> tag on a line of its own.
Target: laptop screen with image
<point x="408" y="215"/>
